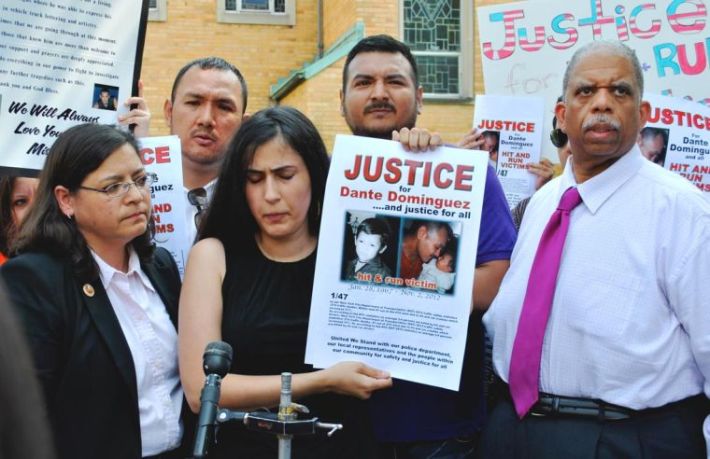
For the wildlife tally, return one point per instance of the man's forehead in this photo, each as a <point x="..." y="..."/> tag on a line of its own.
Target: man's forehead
<point x="373" y="63"/>
<point x="197" y="81"/>
<point x="602" y="64"/>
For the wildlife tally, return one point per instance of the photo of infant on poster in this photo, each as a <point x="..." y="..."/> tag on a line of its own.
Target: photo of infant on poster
<point x="367" y="242"/>
<point x="428" y="254"/>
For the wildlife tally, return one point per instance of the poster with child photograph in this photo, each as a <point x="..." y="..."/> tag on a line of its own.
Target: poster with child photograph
<point x="393" y="287"/>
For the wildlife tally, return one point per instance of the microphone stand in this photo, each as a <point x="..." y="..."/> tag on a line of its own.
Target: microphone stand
<point x="284" y="424"/>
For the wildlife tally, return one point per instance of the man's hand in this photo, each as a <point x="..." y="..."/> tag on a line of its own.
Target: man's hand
<point x="544" y="171"/>
<point x="473" y="140"/>
<point x="140" y="116"/>
<point x="417" y="139"/>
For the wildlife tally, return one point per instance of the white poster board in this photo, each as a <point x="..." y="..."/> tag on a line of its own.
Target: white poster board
<point x="62" y="63"/>
<point x="516" y="122"/>
<point x="162" y="156"/>
<point x="677" y="136"/>
<point x="374" y="303"/>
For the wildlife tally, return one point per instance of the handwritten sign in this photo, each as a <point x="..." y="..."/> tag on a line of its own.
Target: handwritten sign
<point x="525" y="46"/>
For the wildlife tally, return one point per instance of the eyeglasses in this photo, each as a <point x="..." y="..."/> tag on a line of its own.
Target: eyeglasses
<point x="198" y="198"/>
<point x="116" y="190"/>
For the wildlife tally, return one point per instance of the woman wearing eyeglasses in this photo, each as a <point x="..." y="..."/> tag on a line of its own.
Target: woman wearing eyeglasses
<point x="98" y="302"/>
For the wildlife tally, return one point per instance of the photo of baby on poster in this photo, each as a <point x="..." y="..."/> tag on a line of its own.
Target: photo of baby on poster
<point x="394" y="270"/>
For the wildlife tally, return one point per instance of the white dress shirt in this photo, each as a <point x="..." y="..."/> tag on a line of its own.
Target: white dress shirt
<point x="630" y="319"/>
<point x="191" y="211"/>
<point x="152" y="340"/>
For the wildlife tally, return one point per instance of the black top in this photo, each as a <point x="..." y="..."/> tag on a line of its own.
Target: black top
<point x="265" y="320"/>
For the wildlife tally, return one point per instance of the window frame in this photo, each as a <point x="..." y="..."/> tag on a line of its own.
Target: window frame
<point x="160" y="12"/>
<point x="257" y="17"/>
<point x="465" y="55"/>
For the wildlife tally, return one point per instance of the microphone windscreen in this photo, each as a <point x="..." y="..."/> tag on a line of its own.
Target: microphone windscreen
<point x="217" y="358"/>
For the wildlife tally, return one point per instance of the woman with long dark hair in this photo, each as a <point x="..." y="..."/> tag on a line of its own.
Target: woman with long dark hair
<point x="98" y="303"/>
<point x="249" y="281"/>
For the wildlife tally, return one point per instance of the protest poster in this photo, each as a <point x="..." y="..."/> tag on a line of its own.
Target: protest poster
<point x="162" y="156"/>
<point x="62" y="63"/>
<point x="512" y="131"/>
<point x="525" y="46"/>
<point x="677" y="137"/>
<point x="396" y="259"/>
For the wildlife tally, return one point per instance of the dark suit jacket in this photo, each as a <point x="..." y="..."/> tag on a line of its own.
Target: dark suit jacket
<point x="82" y="358"/>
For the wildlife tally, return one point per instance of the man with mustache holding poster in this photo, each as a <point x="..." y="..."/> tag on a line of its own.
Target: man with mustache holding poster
<point x="381" y="98"/>
<point x="601" y="329"/>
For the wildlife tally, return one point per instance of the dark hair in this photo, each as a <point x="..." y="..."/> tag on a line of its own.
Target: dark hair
<point x="381" y="44"/>
<point x="76" y="153"/>
<point x="649" y="132"/>
<point x="432" y="226"/>
<point x="228" y="217"/>
<point x="451" y="249"/>
<point x="557" y="136"/>
<point x="7" y="220"/>
<point x="375" y="226"/>
<point x="495" y="134"/>
<point x="209" y="63"/>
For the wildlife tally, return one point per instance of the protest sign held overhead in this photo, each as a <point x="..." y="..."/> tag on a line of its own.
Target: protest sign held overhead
<point x="394" y="277"/>
<point x="62" y="63"/>
<point x="525" y="46"/>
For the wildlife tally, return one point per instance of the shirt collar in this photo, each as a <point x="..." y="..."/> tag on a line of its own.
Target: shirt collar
<point x="598" y="189"/>
<point x="209" y="188"/>
<point x="107" y="272"/>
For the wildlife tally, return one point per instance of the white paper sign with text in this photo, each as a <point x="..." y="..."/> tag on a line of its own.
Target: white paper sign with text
<point x="162" y="156"/>
<point x="396" y="259"/>
<point x="677" y="136"/>
<point x="62" y="63"/>
<point x="512" y="127"/>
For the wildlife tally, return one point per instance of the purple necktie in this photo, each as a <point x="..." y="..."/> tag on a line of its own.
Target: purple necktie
<point x="524" y="372"/>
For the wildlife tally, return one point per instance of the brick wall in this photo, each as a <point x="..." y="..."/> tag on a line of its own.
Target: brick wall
<point x="265" y="53"/>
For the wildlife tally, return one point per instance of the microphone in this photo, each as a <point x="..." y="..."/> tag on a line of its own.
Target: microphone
<point x="216" y="362"/>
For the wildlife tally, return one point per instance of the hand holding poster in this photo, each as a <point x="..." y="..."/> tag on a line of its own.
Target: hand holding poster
<point x="63" y="62"/>
<point x="516" y="124"/>
<point x="677" y="137"/>
<point x="396" y="259"/>
<point x="162" y="156"/>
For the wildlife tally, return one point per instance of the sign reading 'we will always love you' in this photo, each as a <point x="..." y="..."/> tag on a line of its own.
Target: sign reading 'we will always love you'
<point x="670" y="37"/>
<point x="62" y="63"/>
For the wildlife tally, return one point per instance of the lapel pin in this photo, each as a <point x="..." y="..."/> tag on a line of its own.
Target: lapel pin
<point x="89" y="290"/>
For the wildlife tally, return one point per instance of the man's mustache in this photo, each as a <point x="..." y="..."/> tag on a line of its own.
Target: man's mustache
<point x="379" y="106"/>
<point x="596" y="120"/>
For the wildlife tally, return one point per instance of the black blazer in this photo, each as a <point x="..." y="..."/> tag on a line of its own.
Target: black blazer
<point x="82" y="358"/>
